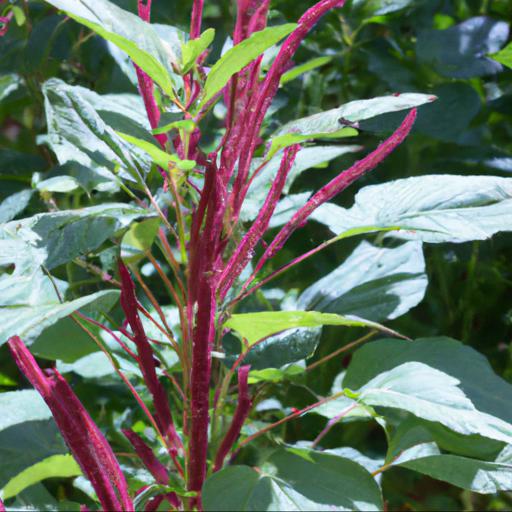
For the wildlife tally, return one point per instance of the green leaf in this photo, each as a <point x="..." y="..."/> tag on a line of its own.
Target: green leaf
<point x="27" y="432"/>
<point x="482" y="476"/>
<point x="276" y="351"/>
<point x="8" y="84"/>
<point x="78" y="134"/>
<point x="192" y="49"/>
<point x="256" y="326"/>
<point x="28" y="322"/>
<point x="56" y="466"/>
<point x="294" y="479"/>
<point x="489" y="393"/>
<point x="139" y="238"/>
<point x="127" y="31"/>
<point x="236" y="58"/>
<point x="380" y="7"/>
<point x="435" y="209"/>
<point x="184" y="124"/>
<point x="432" y="395"/>
<point x="376" y="283"/>
<point x="351" y="113"/>
<point x="159" y="157"/>
<point x="460" y="51"/>
<point x="14" y="205"/>
<point x="450" y="116"/>
<point x="21" y="406"/>
<point x="60" y="236"/>
<point x="504" y="56"/>
<point x="296" y="71"/>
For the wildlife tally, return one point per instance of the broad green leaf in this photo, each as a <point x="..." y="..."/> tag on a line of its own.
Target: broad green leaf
<point x="410" y="432"/>
<point x="435" y="209"/>
<point x="26" y="444"/>
<point x="488" y="392"/>
<point x="27" y="432"/>
<point x="275" y="375"/>
<point x="296" y="71"/>
<point x="127" y="31"/>
<point x="66" y="234"/>
<point x="14" y="205"/>
<point x="276" y="351"/>
<point x="193" y="48"/>
<point x="353" y="112"/>
<point x="294" y="479"/>
<point x="56" y="466"/>
<point x="484" y="477"/>
<point x="159" y="157"/>
<point x="18" y="407"/>
<point x="374" y="282"/>
<point x="460" y="51"/>
<point x="28" y="322"/>
<point x="432" y="395"/>
<point x="139" y="238"/>
<point x="9" y="84"/>
<point x="256" y="326"/>
<point x="78" y="134"/>
<point x="504" y="56"/>
<point x="448" y="118"/>
<point x="380" y="7"/>
<point x="236" y="58"/>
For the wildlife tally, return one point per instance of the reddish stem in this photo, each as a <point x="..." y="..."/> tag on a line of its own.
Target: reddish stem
<point x="242" y="411"/>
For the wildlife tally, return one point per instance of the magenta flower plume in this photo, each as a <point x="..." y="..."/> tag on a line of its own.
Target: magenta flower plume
<point x="146" y="360"/>
<point x="261" y="101"/>
<point x="2" y="507"/>
<point x="243" y="408"/>
<point x="244" y="251"/>
<point x="154" y="466"/>
<point x="196" y="19"/>
<point x="83" y="437"/>
<point x="145" y="82"/>
<point x="337" y="185"/>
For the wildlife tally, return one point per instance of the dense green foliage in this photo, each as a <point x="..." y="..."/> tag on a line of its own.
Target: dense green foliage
<point x="431" y="419"/>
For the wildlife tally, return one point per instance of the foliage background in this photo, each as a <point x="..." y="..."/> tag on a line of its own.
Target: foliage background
<point x="467" y="131"/>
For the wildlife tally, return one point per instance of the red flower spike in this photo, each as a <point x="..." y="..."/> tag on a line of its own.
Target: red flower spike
<point x="154" y="466"/>
<point x="83" y="437"/>
<point x="268" y="90"/>
<point x="243" y="408"/>
<point x="244" y="251"/>
<point x="337" y="185"/>
<point x="146" y="361"/>
<point x="145" y="82"/>
<point x="196" y="19"/>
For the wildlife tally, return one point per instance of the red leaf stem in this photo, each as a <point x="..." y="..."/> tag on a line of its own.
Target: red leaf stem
<point x="245" y="248"/>
<point x="243" y="408"/>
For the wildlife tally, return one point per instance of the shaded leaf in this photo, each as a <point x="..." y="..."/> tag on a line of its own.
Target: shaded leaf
<point x="294" y="479"/>
<point x="373" y="283"/>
